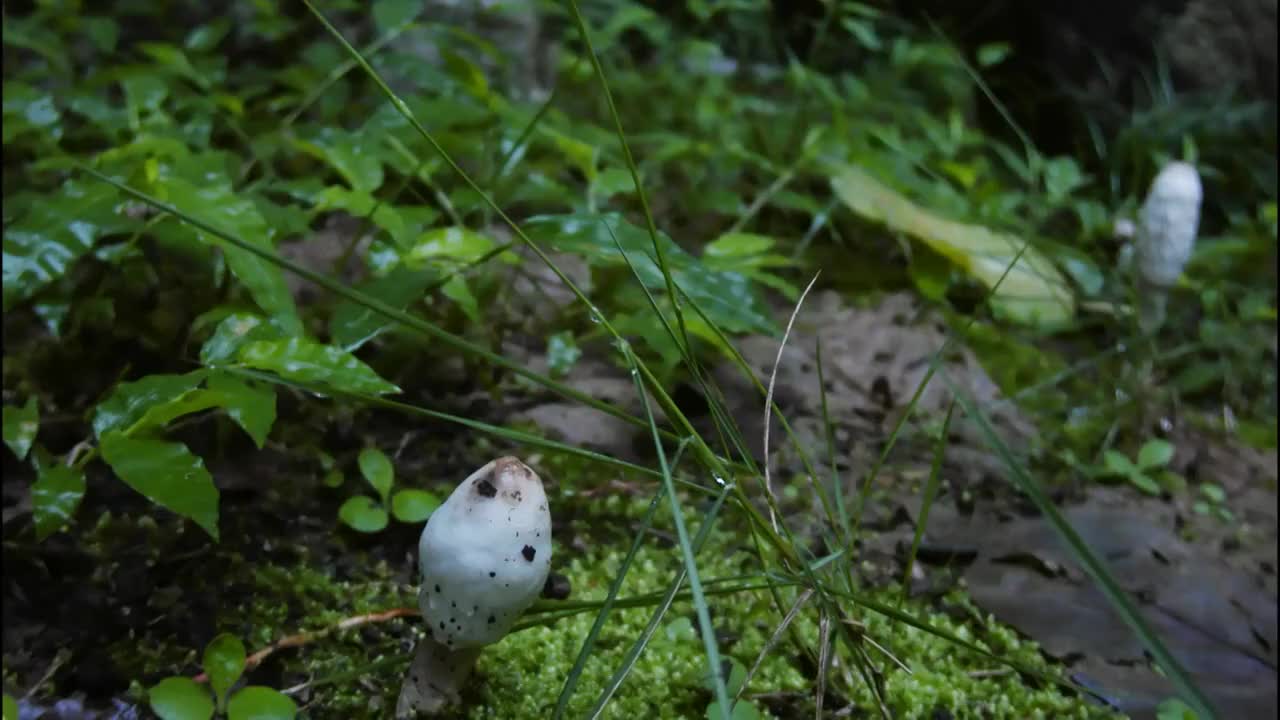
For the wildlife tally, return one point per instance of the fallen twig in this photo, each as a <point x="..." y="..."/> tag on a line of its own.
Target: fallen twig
<point x="300" y="639"/>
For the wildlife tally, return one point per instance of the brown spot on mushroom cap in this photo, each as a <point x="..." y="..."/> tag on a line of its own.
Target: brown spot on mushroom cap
<point x="486" y="488"/>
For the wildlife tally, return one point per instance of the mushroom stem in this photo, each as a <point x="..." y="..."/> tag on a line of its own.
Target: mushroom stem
<point x="435" y="678"/>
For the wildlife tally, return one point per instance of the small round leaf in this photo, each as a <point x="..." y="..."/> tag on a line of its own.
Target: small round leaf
<point x="223" y="663"/>
<point x="363" y="514"/>
<point x="411" y="506"/>
<point x="376" y="468"/>
<point x="256" y="702"/>
<point x="1155" y="453"/>
<point x="179" y="698"/>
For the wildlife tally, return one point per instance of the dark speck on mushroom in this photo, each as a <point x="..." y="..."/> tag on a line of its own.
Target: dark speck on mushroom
<point x="486" y="488"/>
<point x="437" y="588"/>
<point x="492" y="619"/>
<point x="528" y="552"/>
<point x="493" y="574"/>
<point x="441" y="624"/>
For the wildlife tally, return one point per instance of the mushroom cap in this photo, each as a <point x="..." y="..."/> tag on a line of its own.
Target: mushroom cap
<point x="485" y="554"/>
<point x="1169" y="221"/>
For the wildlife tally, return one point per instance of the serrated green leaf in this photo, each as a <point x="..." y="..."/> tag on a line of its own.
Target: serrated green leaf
<point x="257" y="702"/>
<point x="21" y="424"/>
<point x="55" y="495"/>
<point x="412" y="506"/>
<point x="353" y="325"/>
<point x="165" y="473"/>
<point x="310" y="362"/>
<point x="179" y="698"/>
<point x="251" y="406"/>
<point x="1155" y="453"/>
<point x="42" y="244"/>
<point x="376" y="468"/>
<point x="130" y="401"/>
<point x="363" y="514"/>
<point x="216" y="203"/>
<point x="223" y="663"/>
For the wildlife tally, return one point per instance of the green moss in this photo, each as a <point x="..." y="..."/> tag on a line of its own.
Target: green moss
<point x="358" y="673"/>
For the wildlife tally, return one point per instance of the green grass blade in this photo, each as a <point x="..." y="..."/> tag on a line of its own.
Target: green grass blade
<point x="686" y="551"/>
<point x="571" y="680"/>
<point x="631" y="167"/>
<point x="930" y="492"/>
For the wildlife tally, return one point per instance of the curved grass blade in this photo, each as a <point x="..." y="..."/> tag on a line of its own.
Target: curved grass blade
<point x="930" y="492"/>
<point x="571" y="680"/>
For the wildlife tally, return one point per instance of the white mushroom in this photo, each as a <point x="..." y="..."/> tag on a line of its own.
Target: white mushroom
<point x="1166" y="234"/>
<point x="485" y="555"/>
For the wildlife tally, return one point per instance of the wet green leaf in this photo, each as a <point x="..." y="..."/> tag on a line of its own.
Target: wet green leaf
<point x="207" y="37"/>
<point x="167" y="474"/>
<point x="352" y="325"/>
<point x="1117" y="464"/>
<point x="454" y="243"/>
<point x="1155" y="453"/>
<point x="412" y="506"/>
<point x="728" y="298"/>
<point x="250" y="405"/>
<point x="175" y="60"/>
<point x="28" y="109"/>
<point x="257" y="702"/>
<point x="223" y="663"/>
<point x="1144" y="483"/>
<point x="1214" y="493"/>
<point x="234" y="331"/>
<point x="377" y="469"/>
<point x="363" y="514"/>
<point x="457" y="290"/>
<point x="993" y="53"/>
<point x="310" y="362"/>
<point x="562" y="352"/>
<point x="214" y="202"/>
<point x="391" y="14"/>
<point x="360" y="204"/>
<point x="130" y="401"/>
<point x="1033" y="291"/>
<point x="42" y="244"/>
<point x="179" y="698"/>
<point x="20" y="426"/>
<point x="354" y="157"/>
<point x="55" y="495"/>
